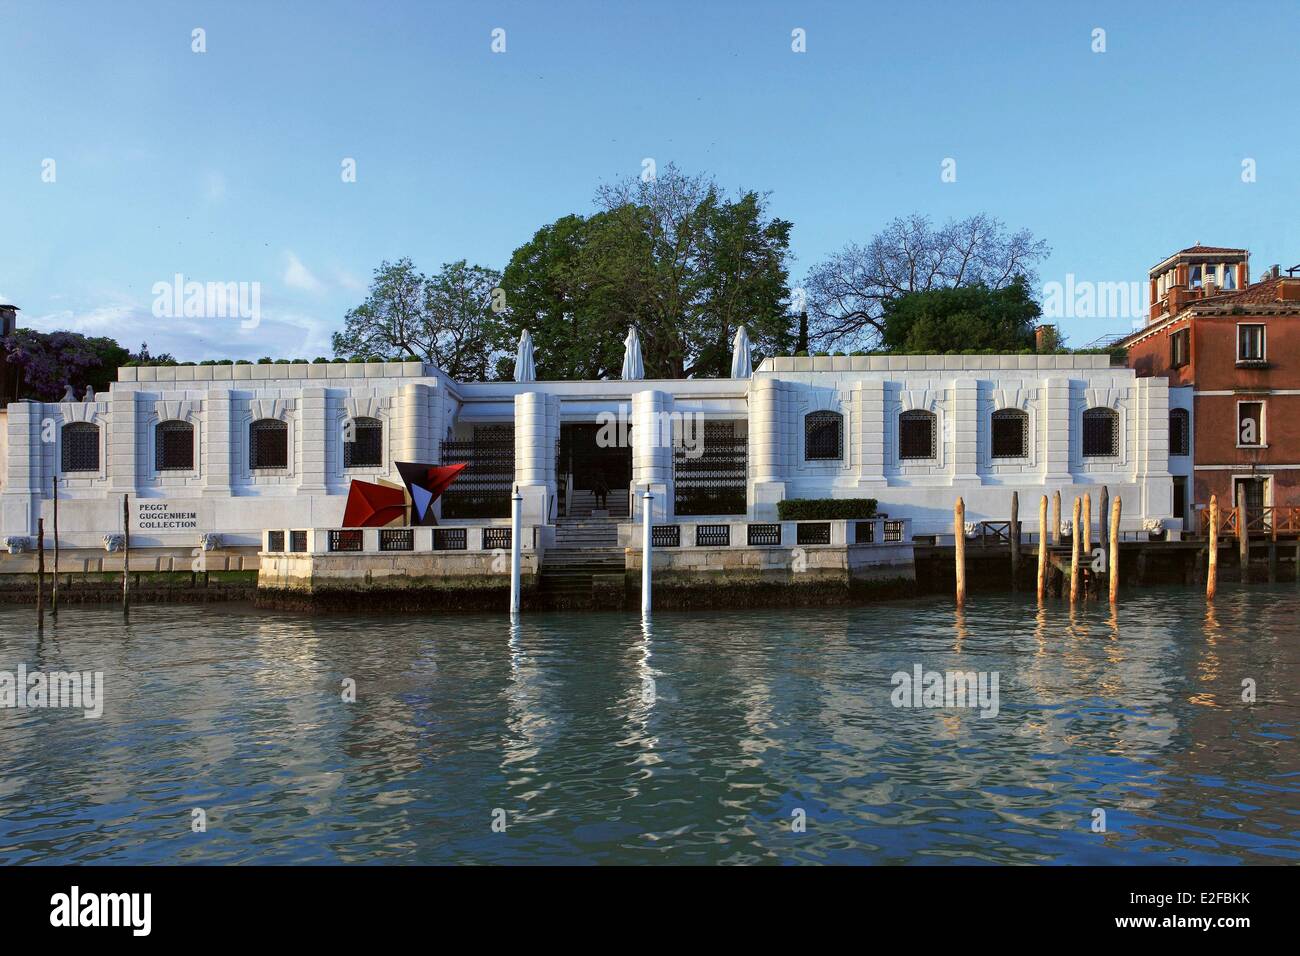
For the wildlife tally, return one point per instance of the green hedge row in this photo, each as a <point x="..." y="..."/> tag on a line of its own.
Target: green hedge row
<point x="825" y="509"/>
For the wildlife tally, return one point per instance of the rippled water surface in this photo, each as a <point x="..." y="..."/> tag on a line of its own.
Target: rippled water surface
<point x="699" y="738"/>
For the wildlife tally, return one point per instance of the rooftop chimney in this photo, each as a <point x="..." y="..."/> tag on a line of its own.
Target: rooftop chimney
<point x="8" y="319"/>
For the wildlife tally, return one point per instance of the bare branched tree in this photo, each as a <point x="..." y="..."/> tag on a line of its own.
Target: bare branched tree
<point x="846" y="293"/>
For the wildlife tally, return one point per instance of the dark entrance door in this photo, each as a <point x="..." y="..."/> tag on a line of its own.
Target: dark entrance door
<point x="586" y="453"/>
<point x="1255" y="488"/>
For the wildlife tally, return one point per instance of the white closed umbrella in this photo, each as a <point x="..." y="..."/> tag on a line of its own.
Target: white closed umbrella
<point x="633" y="366"/>
<point x="525" y="366"/>
<point x="742" y="366"/>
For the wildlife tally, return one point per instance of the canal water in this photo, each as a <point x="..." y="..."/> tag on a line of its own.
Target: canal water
<point x="733" y="737"/>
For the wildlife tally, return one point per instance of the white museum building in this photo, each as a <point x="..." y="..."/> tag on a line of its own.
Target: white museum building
<point x="231" y="450"/>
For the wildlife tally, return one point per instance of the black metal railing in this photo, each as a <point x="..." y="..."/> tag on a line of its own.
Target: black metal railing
<point x="712" y="535"/>
<point x="345" y="539"/>
<point x="450" y="539"/>
<point x="813" y="532"/>
<point x="893" y="531"/>
<point x="482" y="489"/>
<point x="710" y="479"/>
<point x="396" y="539"/>
<point x="494" y="538"/>
<point x="275" y="541"/>
<point x="666" y="536"/>
<point x="298" y="541"/>
<point x="764" y="534"/>
<point x="864" y="532"/>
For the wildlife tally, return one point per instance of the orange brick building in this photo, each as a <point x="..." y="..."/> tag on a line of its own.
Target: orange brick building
<point x="1231" y="351"/>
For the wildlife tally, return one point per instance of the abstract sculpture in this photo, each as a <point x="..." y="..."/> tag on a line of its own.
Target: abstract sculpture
<point x="373" y="506"/>
<point x="425" y="483"/>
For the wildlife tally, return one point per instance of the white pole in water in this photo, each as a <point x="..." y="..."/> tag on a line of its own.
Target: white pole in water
<point x="647" y="555"/>
<point x="516" y="503"/>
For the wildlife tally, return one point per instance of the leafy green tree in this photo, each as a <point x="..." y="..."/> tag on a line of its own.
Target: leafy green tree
<point x="446" y="318"/>
<point x="961" y="319"/>
<point x="672" y="256"/>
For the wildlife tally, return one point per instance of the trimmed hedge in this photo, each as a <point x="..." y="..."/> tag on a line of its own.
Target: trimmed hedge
<point x="825" y="509"/>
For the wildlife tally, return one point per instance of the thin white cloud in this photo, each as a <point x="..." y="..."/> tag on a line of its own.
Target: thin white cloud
<point x="298" y="276"/>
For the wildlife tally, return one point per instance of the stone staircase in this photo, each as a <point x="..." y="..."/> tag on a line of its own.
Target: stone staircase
<point x="585" y="567"/>
<point x="583" y="505"/>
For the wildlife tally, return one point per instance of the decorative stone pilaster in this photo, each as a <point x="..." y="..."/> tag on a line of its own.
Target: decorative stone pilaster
<point x="534" y="456"/>
<point x="411" y="424"/>
<point x="965" y="431"/>
<point x="767" y="442"/>
<point x="126" y="442"/>
<point x="652" y="451"/>
<point x="869" y="433"/>
<point x="313" y="424"/>
<point x="218" y="442"/>
<point x="22" y="468"/>
<point x="1056" y="430"/>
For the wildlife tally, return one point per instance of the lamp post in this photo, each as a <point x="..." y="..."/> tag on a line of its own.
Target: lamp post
<point x="646" y="551"/>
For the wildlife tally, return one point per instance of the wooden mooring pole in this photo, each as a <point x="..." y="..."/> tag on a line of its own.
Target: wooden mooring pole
<point x="40" y="569"/>
<point x="54" y="595"/>
<point x="1086" y="545"/>
<point x="959" y="549"/>
<point x="1056" y="517"/>
<point x="126" y="556"/>
<point x="1113" y="568"/>
<point x="1015" y="541"/>
<point x="1212" y="566"/>
<point x="1042" y="547"/>
<point x="1272" y="549"/>
<point x="1243" y="534"/>
<point x="1103" y="516"/>
<point x="1074" y="554"/>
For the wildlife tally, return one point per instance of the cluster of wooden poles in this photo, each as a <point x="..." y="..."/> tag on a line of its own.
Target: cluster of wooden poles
<point x="1080" y="541"/>
<point x="40" y="560"/>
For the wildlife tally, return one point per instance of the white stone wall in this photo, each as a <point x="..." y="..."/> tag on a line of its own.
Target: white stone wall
<point x="418" y="408"/>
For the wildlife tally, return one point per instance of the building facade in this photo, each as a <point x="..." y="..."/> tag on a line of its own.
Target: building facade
<point x="1230" y="350"/>
<point x="230" y="450"/>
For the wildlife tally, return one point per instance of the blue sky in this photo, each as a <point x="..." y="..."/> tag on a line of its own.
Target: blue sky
<point x="225" y="166"/>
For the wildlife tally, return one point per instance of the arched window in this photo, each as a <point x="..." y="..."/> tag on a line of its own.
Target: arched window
<point x="268" y="444"/>
<point x="1100" y="433"/>
<point x="917" y="436"/>
<point x="1179" y="432"/>
<point x="80" y="447"/>
<point x="363" y="443"/>
<point x="174" y="446"/>
<point x="823" y="436"/>
<point x="1010" y="433"/>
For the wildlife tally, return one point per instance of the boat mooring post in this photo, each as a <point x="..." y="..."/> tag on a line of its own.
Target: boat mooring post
<point x="1212" y="573"/>
<point x="1243" y="534"/>
<point x="1015" y="541"/>
<point x="1042" y="547"/>
<point x="1056" y="517"/>
<point x="1272" y="548"/>
<point x="54" y="595"/>
<point x="1085" y="545"/>
<point x="516" y="508"/>
<point x="126" y="555"/>
<point x="959" y="548"/>
<point x="647" y="555"/>
<point x="1074" y="553"/>
<point x="1116" y="507"/>
<point x="1103" y="516"/>
<point x="40" y="569"/>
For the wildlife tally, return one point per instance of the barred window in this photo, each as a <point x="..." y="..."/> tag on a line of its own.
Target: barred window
<point x="823" y="436"/>
<point x="366" y="448"/>
<point x="80" y="447"/>
<point x="268" y="444"/>
<point x="1100" y="433"/>
<point x="174" y="446"/>
<point x="916" y="435"/>
<point x="1010" y="433"/>
<point x="1179" y="432"/>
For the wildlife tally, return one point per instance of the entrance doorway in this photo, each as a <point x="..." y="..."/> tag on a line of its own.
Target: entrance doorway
<point x="592" y="469"/>
<point x="1256" y="496"/>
